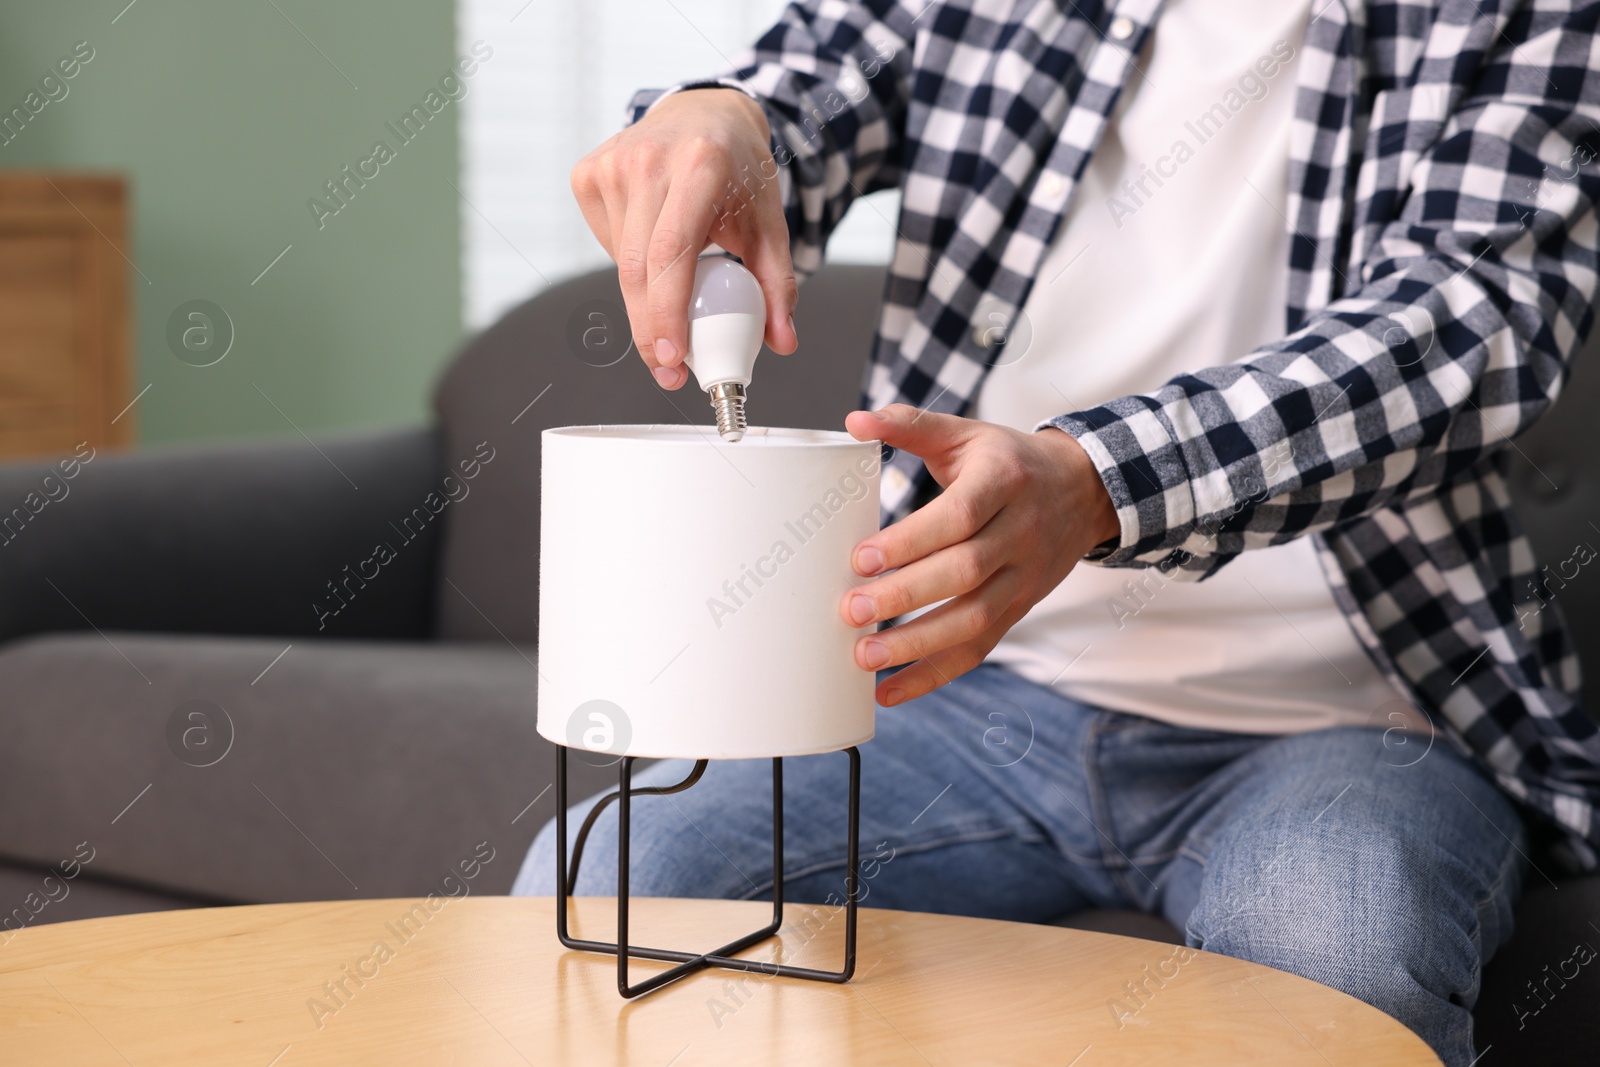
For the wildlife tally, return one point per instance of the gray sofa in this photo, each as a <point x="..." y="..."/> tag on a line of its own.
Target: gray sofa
<point x="216" y="686"/>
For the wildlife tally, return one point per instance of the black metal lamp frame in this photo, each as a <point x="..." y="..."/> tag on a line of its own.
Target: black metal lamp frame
<point x="689" y="962"/>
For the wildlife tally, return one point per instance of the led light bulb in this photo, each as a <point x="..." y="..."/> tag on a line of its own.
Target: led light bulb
<point x="727" y="320"/>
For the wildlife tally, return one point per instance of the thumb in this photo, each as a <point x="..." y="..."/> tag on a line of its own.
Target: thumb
<point x="929" y="435"/>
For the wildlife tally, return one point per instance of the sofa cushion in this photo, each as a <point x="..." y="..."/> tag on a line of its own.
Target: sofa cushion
<point x="354" y="769"/>
<point x="1554" y="474"/>
<point x="1125" y="923"/>
<point x="253" y="537"/>
<point x="1555" y="949"/>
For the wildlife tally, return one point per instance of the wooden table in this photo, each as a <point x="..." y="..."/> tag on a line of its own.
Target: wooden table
<point x="482" y="981"/>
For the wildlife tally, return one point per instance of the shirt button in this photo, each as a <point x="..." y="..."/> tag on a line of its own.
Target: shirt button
<point x="1052" y="186"/>
<point x="1121" y="28"/>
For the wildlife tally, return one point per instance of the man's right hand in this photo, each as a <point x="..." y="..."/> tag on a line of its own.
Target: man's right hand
<point x="697" y="170"/>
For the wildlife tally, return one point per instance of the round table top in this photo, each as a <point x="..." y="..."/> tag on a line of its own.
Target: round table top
<point x="483" y="981"/>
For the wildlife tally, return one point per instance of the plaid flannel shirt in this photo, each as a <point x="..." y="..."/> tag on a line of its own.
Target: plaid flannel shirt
<point x="1442" y="271"/>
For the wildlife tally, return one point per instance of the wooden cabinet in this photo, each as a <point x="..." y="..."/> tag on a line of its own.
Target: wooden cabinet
<point x="64" y="372"/>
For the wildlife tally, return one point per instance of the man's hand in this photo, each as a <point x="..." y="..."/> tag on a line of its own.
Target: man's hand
<point x="1017" y="512"/>
<point x="697" y="169"/>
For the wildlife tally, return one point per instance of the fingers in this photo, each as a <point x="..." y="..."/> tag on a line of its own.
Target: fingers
<point x="922" y="433"/>
<point x="973" y="494"/>
<point x="1006" y="530"/>
<point x="643" y="208"/>
<point x="926" y="675"/>
<point x="588" y="190"/>
<point x="950" y="518"/>
<point x="943" y="644"/>
<point x="653" y="194"/>
<point x="768" y="259"/>
<point x="951" y="571"/>
<point x="666" y="229"/>
<point x="952" y="623"/>
<point x="981" y="602"/>
<point x="675" y="244"/>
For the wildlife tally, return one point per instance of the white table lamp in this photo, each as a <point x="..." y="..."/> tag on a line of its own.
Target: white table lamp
<point x="689" y="592"/>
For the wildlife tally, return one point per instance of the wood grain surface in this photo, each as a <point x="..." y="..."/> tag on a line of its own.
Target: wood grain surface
<point x="483" y="981"/>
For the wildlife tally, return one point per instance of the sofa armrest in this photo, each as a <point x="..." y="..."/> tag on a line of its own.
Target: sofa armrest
<point x="280" y="537"/>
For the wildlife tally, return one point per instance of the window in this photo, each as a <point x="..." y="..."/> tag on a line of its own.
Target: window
<point x="556" y="86"/>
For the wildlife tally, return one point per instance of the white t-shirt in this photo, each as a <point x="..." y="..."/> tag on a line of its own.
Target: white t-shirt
<point x="1173" y="257"/>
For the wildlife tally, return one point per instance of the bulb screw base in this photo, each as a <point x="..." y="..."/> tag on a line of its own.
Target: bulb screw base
<point x="727" y="399"/>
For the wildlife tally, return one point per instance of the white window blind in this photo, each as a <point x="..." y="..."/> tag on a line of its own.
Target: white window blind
<point x="556" y="86"/>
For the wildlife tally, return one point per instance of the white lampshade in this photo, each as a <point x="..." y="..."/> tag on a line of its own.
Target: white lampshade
<point x="689" y="591"/>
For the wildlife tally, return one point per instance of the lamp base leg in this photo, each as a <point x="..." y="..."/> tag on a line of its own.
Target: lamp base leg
<point x="690" y="962"/>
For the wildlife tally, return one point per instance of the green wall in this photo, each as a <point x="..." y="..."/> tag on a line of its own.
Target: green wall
<point x="227" y="121"/>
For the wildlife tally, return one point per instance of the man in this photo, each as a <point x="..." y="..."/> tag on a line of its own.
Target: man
<point x="1252" y="291"/>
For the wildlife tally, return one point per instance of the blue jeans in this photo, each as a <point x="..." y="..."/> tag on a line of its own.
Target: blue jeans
<point x="1386" y="871"/>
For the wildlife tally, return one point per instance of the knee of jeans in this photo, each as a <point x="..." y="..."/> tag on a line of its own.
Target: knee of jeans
<point x="1360" y="920"/>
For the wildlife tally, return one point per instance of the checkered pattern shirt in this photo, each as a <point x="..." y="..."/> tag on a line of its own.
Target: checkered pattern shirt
<point x="1442" y="269"/>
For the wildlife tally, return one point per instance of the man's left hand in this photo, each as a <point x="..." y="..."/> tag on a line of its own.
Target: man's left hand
<point x="1018" y="510"/>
